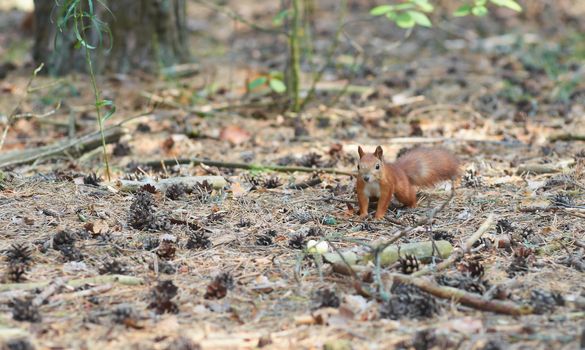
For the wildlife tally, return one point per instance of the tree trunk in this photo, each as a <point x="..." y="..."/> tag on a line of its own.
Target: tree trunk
<point x="145" y="35"/>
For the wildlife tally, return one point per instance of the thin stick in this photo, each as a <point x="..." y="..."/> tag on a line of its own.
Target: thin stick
<point x="247" y="166"/>
<point x="12" y="115"/>
<point x="439" y="107"/>
<point x="357" y="285"/>
<point x="456" y="255"/>
<point x="121" y="279"/>
<point x="567" y="137"/>
<point x="84" y="293"/>
<point x="465" y="298"/>
<point x="80" y="144"/>
<point x="425" y="221"/>
<point x="50" y="290"/>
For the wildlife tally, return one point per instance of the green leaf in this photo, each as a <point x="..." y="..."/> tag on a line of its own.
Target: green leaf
<point x="420" y="18"/>
<point x="278" y="20"/>
<point x="404" y="6"/>
<point x="277" y="85"/>
<point x="257" y="83"/>
<point x="392" y="16"/>
<point x="424" y="5"/>
<point x="104" y="103"/>
<point x="511" y="4"/>
<point x="462" y="11"/>
<point x="480" y="3"/>
<point x="110" y="112"/>
<point x="405" y="20"/>
<point x="381" y="10"/>
<point x="479" y="11"/>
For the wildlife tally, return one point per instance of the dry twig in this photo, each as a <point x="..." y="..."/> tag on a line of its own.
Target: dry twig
<point x="465" y="298"/>
<point x="246" y="166"/>
<point x="458" y="254"/>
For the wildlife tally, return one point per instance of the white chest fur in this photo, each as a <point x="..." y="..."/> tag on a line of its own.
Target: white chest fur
<point x="372" y="189"/>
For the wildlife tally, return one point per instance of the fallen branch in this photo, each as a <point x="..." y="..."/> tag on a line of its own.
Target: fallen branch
<point x="426" y="221"/>
<point x="443" y="107"/>
<point x="120" y="279"/>
<point x="537" y="169"/>
<point x="421" y="250"/>
<point x="12" y="115"/>
<point x="162" y="185"/>
<point x="567" y="137"/>
<point x="84" y="293"/>
<point x="257" y="167"/>
<point x="47" y="292"/>
<point x="306" y="184"/>
<point x="181" y="71"/>
<point x="458" y="254"/>
<point x="465" y="298"/>
<point x="78" y="145"/>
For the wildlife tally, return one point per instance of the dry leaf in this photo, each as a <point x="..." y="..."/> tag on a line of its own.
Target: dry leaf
<point x="238" y="190"/>
<point x="97" y="227"/>
<point x="234" y="135"/>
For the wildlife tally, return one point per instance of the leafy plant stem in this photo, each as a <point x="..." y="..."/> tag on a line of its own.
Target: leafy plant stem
<point x="97" y="98"/>
<point x="295" y="64"/>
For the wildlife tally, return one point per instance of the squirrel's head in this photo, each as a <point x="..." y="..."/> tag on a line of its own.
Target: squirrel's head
<point x="371" y="165"/>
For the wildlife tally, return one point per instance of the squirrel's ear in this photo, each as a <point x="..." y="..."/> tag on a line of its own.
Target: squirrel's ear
<point x="378" y="153"/>
<point x="360" y="151"/>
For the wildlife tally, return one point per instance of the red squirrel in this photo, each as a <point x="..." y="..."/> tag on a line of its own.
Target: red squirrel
<point x="421" y="167"/>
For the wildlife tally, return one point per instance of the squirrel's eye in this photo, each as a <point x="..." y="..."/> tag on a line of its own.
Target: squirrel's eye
<point x="377" y="166"/>
<point x="358" y="167"/>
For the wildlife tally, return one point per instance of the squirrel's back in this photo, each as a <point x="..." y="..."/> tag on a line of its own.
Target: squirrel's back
<point x="427" y="166"/>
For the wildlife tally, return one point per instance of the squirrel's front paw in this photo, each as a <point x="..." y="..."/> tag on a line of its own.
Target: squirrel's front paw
<point x="378" y="216"/>
<point x="363" y="215"/>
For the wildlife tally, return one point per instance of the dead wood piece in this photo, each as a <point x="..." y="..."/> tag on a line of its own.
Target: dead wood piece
<point x="246" y="166"/>
<point x="392" y="253"/>
<point x="7" y="296"/>
<point x="184" y="70"/>
<point x="12" y="333"/>
<point x="306" y="184"/>
<point x="84" y="293"/>
<point x="567" y="137"/>
<point x="537" y="169"/>
<point x="465" y="298"/>
<point x="77" y="146"/>
<point x="421" y="250"/>
<point x="47" y="292"/>
<point x="460" y="252"/>
<point x="119" y="279"/>
<point x="162" y="185"/>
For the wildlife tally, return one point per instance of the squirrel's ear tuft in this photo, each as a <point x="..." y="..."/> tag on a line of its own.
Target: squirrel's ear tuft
<point x="379" y="152"/>
<point x="361" y="151"/>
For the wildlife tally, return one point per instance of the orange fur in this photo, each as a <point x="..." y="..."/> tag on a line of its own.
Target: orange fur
<point x="420" y="167"/>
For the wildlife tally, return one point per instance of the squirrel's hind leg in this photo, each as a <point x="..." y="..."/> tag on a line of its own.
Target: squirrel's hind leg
<point x="407" y="196"/>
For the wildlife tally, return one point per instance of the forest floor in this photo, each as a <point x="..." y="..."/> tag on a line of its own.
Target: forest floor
<point x="228" y="268"/>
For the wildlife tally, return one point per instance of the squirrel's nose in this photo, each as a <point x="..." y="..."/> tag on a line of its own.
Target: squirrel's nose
<point x="366" y="178"/>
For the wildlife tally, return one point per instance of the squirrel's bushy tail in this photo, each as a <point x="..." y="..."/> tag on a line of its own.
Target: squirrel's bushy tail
<point x="426" y="166"/>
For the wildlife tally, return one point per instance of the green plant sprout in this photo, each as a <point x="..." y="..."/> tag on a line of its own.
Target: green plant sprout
<point x="413" y="12"/>
<point x="75" y="14"/>
<point x="273" y="80"/>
